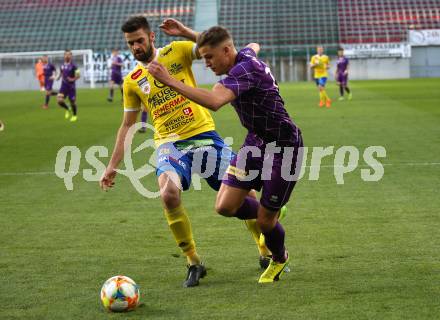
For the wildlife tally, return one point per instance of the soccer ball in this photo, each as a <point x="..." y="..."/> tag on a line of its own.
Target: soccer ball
<point x="120" y="293"/>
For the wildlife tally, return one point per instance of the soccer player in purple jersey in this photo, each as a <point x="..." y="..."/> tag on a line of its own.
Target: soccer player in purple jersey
<point x="341" y="75"/>
<point x="251" y="88"/>
<point x="49" y="71"/>
<point x="69" y="74"/>
<point x="115" y="73"/>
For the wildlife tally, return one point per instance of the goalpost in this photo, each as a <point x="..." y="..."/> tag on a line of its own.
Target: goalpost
<point x="16" y="62"/>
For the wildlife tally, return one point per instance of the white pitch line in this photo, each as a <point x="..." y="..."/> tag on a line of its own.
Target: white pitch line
<point x="410" y="164"/>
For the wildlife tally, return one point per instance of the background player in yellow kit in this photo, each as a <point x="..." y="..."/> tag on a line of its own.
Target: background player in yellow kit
<point x="181" y="126"/>
<point x="320" y="63"/>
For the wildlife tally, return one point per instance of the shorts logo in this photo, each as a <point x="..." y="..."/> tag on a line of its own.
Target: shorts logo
<point x="144" y="85"/>
<point x="136" y="75"/>
<point x="164" y="151"/>
<point x="274" y="198"/>
<point x="187" y="111"/>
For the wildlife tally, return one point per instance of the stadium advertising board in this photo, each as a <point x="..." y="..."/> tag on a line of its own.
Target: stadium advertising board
<point x="377" y="50"/>
<point x="424" y="37"/>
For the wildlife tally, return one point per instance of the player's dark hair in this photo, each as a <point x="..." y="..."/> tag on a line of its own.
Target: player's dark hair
<point x="340" y="49"/>
<point x="213" y="36"/>
<point x="135" y="23"/>
<point x="67" y="50"/>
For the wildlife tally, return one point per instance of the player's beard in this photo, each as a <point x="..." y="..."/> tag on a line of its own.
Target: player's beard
<point x="144" y="56"/>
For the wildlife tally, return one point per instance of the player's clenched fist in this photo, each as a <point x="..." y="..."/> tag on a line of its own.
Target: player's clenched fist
<point x="159" y="72"/>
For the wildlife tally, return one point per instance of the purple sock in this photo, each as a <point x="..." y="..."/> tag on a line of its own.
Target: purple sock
<point x="47" y="100"/>
<point x="248" y="210"/>
<point x="275" y="242"/>
<point x="341" y="91"/>
<point x="111" y="93"/>
<point x="144" y="117"/>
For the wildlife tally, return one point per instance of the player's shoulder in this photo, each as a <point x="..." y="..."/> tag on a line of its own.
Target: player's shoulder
<point x="246" y="63"/>
<point x="176" y="48"/>
<point x="135" y="74"/>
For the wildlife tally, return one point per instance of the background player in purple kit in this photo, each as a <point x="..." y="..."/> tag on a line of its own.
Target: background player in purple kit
<point x="115" y="73"/>
<point x="69" y="74"/>
<point x="341" y="75"/>
<point x="251" y="88"/>
<point x="49" y="71"/>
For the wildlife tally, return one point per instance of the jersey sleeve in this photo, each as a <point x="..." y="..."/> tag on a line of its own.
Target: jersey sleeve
<point x="187" y="49"/>
<point x="131" y="100"/>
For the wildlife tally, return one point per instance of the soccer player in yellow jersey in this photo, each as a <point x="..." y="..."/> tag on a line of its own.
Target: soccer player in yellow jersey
<point x="320" y="63"/>
<point x="181" y="127"/>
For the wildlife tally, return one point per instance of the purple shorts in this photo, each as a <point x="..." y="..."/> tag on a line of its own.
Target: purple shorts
<point x="48" y="84"/>
<point x="68" y="90"/>
<point x="276" y="181"/>
<point x="116" y="78"/>
<point x="342" y="78"/>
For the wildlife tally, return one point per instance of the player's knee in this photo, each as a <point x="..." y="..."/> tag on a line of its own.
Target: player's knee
<point x="225" y="209"/>
<point x="170" y="198"/>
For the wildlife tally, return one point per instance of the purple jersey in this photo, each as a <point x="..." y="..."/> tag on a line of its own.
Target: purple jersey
<point x="48" y="70"/>
<point x="258" y="102"/>
<point x="68" y="70"/>
<point x="116" y="69"/>
<point x="342" y="64"/>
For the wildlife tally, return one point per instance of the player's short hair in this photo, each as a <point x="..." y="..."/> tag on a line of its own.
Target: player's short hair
<point x="135" y="23"/>
<point x="340" y="49"/>
<point x="213" y="36"/>
<point x="67" y="50"/>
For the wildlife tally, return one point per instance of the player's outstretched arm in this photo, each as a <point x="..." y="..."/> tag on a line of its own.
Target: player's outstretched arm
<point x="109" y="174"/>
<point x="173" y="27"/>
<point x="212" y="99"/>
<point x="254" y="46"/>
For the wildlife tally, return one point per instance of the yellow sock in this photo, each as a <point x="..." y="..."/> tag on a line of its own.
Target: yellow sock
<point x="325" y="95"/>
<point x="181" y="228"/>
<point x="321" y="96"/>
<point x="255" y="231"/>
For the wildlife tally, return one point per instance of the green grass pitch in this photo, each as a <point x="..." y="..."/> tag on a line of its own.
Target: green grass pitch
<point x="361" y="250"/>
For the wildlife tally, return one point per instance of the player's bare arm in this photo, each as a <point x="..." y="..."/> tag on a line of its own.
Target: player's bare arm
<point x="109" y="174"/>
<point x="254" y="46"/>
<point x="212" y="99"/>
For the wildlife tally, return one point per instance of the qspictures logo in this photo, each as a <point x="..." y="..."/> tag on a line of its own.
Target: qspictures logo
<point x="345" y="161"/>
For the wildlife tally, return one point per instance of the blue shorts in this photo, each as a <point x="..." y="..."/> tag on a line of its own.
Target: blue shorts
<point x="321" y="81"/>
<point x="205" y="154"/>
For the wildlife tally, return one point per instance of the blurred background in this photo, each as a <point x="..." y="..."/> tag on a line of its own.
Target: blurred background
<point x="384" y="39"/>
